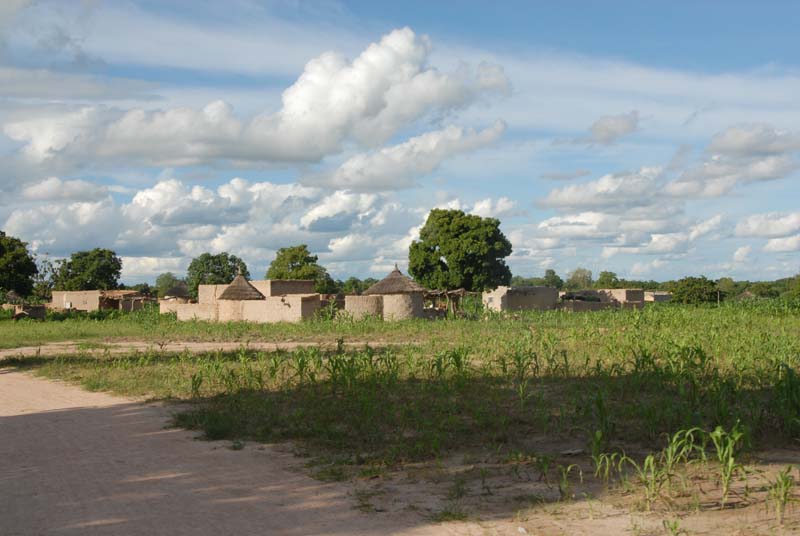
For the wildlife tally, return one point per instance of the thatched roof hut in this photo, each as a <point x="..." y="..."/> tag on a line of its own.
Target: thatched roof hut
<point x="395" y="283"/>
<point x="240" y="289"/>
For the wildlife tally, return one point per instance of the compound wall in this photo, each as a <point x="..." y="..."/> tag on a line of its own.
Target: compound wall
<point x="282" y="287"/>
<point x="207" y="294"/>
<point x="82" y="300"/>
<point x="521" y="298"/>
<point x="623" y="295"/>
<point x="197" y="311"/>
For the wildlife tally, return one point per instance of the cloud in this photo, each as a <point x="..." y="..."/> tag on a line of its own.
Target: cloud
<point x="486" y="208"/>
<point x="48" y="85"/>
<point x="565" y="175"/>
<point x="54" y="188"/>
<point x="668" y="243"/>
<point x="398" y="166"/>
<point x="338" y="211"/>
<point x="780" y="245"/>
<point x="640" y="268"/>
<point x="737" y="156"/>
<point x="769" y="225"/>
<point x="389" y="86"/>
<point x="742" y="254"/>
<point x="615" y="192"/>
<point x="755" y="139"/>
<point x="610" y="128"/>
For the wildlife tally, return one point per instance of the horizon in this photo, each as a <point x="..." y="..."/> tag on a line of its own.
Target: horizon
<point x="655" y="142"/>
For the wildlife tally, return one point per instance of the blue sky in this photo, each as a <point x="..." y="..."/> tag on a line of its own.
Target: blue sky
<point x="653" y="139"/>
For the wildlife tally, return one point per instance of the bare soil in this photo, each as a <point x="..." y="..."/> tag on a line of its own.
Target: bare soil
<point x="195" y="347"/>
<point x="76" y="462"/>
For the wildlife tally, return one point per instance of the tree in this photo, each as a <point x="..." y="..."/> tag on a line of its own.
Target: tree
<point x="17" y="265"/>
<point x="607" y="280"/>
<point x="354" y="285"/>
<point x="208" y="269"/>
<point x="793" y="287"/>
<point x="727" y="287"/>
<point x="297" y="262"/>
<point x="579" y="279"/>
<point x="458" y="250"/>
<point x="45" y="279"/>
<point x="694" y="290"/>
<point x="764" y="289"/>
<point x="552" y="279"/>
<point x="167" y="281"/>
<point x="96" y="269"/>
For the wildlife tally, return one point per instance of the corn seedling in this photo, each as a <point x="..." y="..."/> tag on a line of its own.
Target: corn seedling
<point x="725" y="444"/>
<point x="780" y="491"/>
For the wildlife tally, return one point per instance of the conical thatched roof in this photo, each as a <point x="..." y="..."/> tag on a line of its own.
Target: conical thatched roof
<point x="240" y="289"/>
<point x="395" y="283"/>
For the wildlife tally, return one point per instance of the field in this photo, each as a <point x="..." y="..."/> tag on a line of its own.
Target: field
<point x="683" y="418"/>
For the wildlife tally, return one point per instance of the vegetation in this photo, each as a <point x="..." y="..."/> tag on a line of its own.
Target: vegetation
<point x="458" y="250"/>
<point x="669" y="400"/>
<point x="297" y="262"/>
<point x="219" y="269"/>
<point x="579" y="278"/>
<point x="98" y="268"/>
<point x="17" y="266"/>
<point x="168" y="281"/>
<point x="695" y="290"/>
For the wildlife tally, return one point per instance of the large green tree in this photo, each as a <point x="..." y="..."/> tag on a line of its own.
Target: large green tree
<point x="607" y="280"/>
<point x="166" y="282"/>
<point x="552" y="279"/>
<point x="458" y="250"/>
<point x="579" y="279"/>
<point x="96" y="269"/>
<point x="219" y="269"/>
<point x="297" y="262"/>
<point x="17" y="265"/>
<point x="695" y="290"/>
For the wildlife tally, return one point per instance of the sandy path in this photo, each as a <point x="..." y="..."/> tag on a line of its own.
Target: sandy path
<point x="74" y="462"/>
<point x="120" y="347"/>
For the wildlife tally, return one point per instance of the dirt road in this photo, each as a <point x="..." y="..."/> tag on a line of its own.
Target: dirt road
<point x="80" y="463"/>
<point x="121" y="347"/>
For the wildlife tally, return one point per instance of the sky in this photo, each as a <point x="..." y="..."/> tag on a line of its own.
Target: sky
<point x="653" y="139"/>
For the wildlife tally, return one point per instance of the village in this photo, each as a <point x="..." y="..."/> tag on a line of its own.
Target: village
<point x="396" y="297"/>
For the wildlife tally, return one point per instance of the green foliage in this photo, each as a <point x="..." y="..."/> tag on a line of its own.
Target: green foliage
<point x="166" y="282"/>
<point x="694" y="290"/>
<point x="96" y="269"/>
<point x="17" y="266"/>
<point x="297" y="262"/>
<point x="208" y="269"/>
<point x="458" y="250"/>
<point x="579" y="279"/>
<point x="550" y="279"/>
<point x="607" y="280"/>
<point x="354" y="285"/>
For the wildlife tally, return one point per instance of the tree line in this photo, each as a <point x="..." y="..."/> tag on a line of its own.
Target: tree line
<point x="454" y="250"/>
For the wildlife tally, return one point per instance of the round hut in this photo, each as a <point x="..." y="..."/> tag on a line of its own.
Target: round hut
<point x="231" y="300"/>
<point x="402" y="297"/>
<point x="360" y="307"/>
